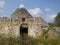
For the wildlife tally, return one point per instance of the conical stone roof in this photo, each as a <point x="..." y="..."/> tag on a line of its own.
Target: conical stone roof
<point x="21" y="13"/>
<point x="43" y="22"/>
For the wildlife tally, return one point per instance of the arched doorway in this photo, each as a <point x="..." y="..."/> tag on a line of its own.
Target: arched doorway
<point x="24" y="29"/>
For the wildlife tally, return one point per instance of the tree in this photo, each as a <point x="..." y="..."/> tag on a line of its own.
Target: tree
<point x="57" y="20"/>
<point x="51" y="24"/>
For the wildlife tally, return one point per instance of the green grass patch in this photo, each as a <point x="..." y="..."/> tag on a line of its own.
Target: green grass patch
<point x="25" y="40"/>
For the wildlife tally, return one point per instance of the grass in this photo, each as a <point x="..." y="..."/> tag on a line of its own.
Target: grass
<point x="29" y="41"/>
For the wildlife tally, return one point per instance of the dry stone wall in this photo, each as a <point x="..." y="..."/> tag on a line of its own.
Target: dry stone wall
<point x="11" y="27"/>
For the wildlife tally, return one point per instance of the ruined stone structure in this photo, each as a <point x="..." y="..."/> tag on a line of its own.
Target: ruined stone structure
<point x="21" y="22"/>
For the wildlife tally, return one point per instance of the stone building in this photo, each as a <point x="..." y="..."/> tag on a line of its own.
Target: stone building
<point x="21" y="22"/>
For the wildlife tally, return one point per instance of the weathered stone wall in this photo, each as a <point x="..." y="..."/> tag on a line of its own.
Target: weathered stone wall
<point x="4" y="27"/>
<point x="34" y="28"/>
<point x="11" y="27"/>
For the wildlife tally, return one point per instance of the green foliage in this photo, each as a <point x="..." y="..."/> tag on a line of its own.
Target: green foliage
<point x="57" y="20"/>
<point x="51" y="24"/>
<point x="26" y="40"/>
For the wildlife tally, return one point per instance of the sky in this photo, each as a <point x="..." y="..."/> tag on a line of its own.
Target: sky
<point x="47" y="9"/>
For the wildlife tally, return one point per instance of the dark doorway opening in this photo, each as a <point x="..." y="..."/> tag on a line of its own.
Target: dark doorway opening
<point x="24" y="29"/>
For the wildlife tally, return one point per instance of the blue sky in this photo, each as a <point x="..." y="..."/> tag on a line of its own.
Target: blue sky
<point x="47" y="9"/>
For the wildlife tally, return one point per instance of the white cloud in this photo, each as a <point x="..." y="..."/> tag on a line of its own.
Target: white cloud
<point x="21" y="6"/>
<point x="47" y="9"/>
<point x="2" y="3"/>
<point x="35" y="12"/>
<point x="51" y="17"/>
